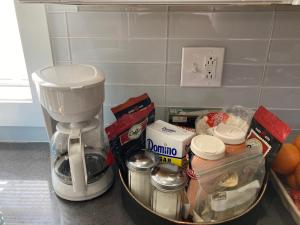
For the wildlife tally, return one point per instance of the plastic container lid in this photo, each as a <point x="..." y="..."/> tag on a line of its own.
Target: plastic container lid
<point x="229" y="134"/>
<point x="168" y="177"/>
<point x="208" y="147"/>
<point x="142" y="161"/>
<point x="69" y="76"/>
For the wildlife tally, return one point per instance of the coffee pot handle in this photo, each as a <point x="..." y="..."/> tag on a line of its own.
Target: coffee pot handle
<point x="77" y="161"/>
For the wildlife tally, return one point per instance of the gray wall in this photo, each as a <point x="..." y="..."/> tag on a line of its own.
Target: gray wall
<point x="139" y="49"/>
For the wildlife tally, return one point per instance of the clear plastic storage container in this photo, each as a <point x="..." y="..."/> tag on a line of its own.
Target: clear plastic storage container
<point x="229" y="186"/>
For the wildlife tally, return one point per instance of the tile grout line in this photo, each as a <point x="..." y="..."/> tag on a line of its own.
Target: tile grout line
<point x="68" y="36"/>
<point x="113" y="62"/>
<point x="170" y="38"/>
<point x="128" y="26"/>
<point x="178" y="86"/>
<point x="266" y="60"/>
<point x="179" y="63"/>
<point x="50" y="38"/>
<point x="166" y="57"/>
<point x="249" y="64"/>
<point x="209" y="107"/>
<point x="177" y="38"/>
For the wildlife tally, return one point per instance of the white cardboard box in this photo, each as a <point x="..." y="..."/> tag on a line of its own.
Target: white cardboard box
<point x="170" y="142"/>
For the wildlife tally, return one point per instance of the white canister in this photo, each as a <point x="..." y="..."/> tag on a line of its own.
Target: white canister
<point x="168" y="190"/>
<point x="234" y="137"/>
<point x="139" y="168"/>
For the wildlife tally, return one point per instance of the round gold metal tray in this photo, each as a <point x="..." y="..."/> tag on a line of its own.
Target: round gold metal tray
<point x="143" y="215"/>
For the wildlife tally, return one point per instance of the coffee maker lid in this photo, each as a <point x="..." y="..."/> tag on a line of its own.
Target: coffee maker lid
<point x="69" y="76"/>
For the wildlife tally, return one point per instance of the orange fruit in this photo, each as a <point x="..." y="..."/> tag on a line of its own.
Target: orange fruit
<point x="297" y="175"/>
<point x="287" y="159"/>
<point x="291" y="180"/>
<point x="296" y="141"/>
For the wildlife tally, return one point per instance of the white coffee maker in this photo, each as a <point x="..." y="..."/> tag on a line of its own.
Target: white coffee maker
<point x="72" y="99"/>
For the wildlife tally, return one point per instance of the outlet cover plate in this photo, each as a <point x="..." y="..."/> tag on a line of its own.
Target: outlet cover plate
<point x="202" y="66"/>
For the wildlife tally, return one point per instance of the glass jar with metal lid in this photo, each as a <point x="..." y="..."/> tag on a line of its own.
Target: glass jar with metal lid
<point x="168" y="190"/>
<point x="139" y="168"/>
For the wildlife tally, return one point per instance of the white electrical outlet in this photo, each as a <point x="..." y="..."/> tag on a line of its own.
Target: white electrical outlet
<point x="202" y="67"/>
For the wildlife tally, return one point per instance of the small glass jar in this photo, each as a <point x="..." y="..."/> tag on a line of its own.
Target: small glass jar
<point x="139" y="168"/>
<point x="168" y="190"/>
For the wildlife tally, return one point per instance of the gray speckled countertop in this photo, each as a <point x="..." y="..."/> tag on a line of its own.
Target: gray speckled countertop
<point x="27" y="197"/>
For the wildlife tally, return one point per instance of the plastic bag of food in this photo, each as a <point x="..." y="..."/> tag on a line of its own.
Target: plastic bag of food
<point x="236" y="116"/>
<point x="230" y="125"/>
<point x="228" y="187"/>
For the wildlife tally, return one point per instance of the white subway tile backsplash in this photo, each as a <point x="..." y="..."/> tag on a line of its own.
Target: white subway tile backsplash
<point x="211" y="97"/>
<point x="61" y="8"/>
<point x="285" y="51"/>
<point x="60" y="49"/>
<point x="147" y="24"/>
<point x="287" y="25"/>
<point x="236" y="51"/>
<point x="102" y="8"/>
<point x="287" y="8"/>
<point x="147" y="8"/>
<point x="291" y="117"/>
<point x="118" y="50"/>
<point x="255" y="25"/>
<point x="292" y="136"/>
<point x="122" y="8"/>
<point x="173" y="74"/>
<point x="116" y="94"/>
<point x="233" y="75"/>
<point x="221" y="8"/>
<point x="160" y="113"/>
<point x="134" y="73"/>
<point x="98" y="24"/>
<point x="242" y="75"/>
<point x="281" y="98"/>
<point x="139" y="49"/>
<point x="108" y="116"/>
<point x="191" y="8"/>
<point x="282" y="76"/>
<point x="57" y="25"/>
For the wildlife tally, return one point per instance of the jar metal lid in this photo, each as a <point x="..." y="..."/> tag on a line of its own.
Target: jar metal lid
<point x="142" y="161"/>
<point x="208" y="147"/>
<point x="168" y="177"/>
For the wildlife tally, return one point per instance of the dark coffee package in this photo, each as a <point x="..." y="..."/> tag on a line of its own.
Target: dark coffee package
<point x="267" y="132"/>
<point x="127" y="135"/>
<point x="184" y="117"/>
<point x="131" y="105"/>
